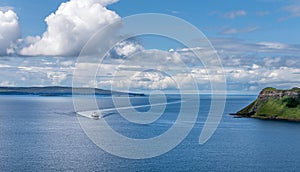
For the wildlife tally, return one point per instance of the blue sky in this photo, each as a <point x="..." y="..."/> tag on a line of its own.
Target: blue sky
<point x="208" y="16"/>
<point x="256" y="40"/>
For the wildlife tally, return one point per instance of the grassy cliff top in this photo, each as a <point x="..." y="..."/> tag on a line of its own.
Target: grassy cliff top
<point x="295" y="89"/>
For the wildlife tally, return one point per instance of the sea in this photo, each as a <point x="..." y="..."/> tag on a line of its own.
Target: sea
<point x="45" y="134"/>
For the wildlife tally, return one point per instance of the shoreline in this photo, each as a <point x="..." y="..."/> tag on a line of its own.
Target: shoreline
<point x="267" y="119"/>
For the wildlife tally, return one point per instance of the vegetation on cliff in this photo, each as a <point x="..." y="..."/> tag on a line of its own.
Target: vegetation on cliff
<point x="274" y="104"/>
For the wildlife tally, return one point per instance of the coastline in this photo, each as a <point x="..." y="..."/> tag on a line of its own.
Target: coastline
<point x="235" y="115"/>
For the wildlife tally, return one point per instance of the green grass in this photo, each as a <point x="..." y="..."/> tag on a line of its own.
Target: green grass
<point x="278" y="108"/>
<point x="247" y="109"/>
<point x="269" y="89"/>
<point x="296" y="89"/>
<point x="291" y="102"/>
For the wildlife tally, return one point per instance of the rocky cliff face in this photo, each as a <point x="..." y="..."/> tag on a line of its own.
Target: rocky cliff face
<point x="278" y="94"/>
<point x="272" y="103"/>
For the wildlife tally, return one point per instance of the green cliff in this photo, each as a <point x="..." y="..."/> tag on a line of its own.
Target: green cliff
<point x="274" y="104"/>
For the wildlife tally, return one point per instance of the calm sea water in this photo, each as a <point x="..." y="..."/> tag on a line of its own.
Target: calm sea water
<point x="43" y="134"/>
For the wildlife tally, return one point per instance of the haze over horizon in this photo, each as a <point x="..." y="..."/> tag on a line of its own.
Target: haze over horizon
<point x="257" y="42"/>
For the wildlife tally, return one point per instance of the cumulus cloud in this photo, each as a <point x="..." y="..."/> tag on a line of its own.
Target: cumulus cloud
<point x="70" y="27"/>
<point x="125" y="49"/>
<point x="9" y="30"/>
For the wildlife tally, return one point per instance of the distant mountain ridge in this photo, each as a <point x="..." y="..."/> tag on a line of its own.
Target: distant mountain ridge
<point x="273" y="103"/>
<point x="59" y="91"/>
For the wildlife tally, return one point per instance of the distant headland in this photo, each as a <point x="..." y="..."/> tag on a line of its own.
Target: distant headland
<point x="60" y="91"/>
<point x="274" y="104"/>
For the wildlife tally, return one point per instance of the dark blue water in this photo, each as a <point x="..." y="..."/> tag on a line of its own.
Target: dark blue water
<point x="43" y="134"/>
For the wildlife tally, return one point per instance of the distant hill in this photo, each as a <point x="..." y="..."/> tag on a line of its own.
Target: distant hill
<point x="274" y="104"/>
<point x="59" y="91"/>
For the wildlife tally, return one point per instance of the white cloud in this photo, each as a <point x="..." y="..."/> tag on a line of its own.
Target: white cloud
<point x="6" y="8"/>
<point x="32" y="71"/>
<point x="234" y="14"/>
<point x="106" y="2"/>
<point x="125" y="49"/>
<point x="271" y="61"/>
<point x="293" y="10"/>
<point x="70" y="27"/>
<point x="249" y="73"/>
<point x="9" y="30"/>
<point x="67" y="63"/>
<point x="244" y="71"/>
<point x="146" y="80"/>
<point x="273" y="45"/>
<point x="280" y="75"/>
<point x="56" y="77"/>
<point x="230" y="31"/>
<point x="6" y="84"/>
<point x="291" y="62"/>
<point x="252" y="88"/>
<point x="151" y="80"/>
<point x="240" y="47"/>
<point x="230" y="14"/>
<point x="255" y="66"/>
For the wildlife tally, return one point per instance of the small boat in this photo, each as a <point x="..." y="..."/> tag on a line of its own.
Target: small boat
<point x="95" y="115"/>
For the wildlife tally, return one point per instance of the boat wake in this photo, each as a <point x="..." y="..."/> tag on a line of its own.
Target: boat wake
<point x="102" y="113"/>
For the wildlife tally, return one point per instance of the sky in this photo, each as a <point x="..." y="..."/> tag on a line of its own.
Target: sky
<point x="257" y="42"/>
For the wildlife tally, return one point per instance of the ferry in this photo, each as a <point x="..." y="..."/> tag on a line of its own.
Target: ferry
<point x="95" y="115"/>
